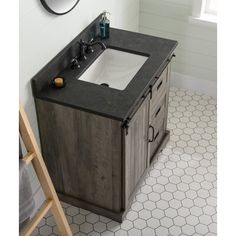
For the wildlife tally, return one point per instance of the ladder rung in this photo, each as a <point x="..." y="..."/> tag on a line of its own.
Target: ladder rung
<point x="29" y="157"/>
<point x="29" y="228"/>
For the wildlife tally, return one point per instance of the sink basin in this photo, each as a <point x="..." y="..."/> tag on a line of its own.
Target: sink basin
<point x="114" y="69"/>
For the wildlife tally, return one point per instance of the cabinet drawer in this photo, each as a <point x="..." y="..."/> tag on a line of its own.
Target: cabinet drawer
<point x="160" y="86"/>
<point x="157" y="108"/>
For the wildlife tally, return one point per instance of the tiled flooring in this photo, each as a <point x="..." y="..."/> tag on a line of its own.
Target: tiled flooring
<point x="178" y="196"/>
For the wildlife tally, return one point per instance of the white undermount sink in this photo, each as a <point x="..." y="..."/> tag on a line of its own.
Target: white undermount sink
<point x="114" y="68"/>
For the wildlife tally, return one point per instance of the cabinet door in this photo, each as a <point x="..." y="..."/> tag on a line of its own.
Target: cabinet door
<point x="136" y="148"/>
<point x="158" y="113"/>
<point x="82" y="152"/>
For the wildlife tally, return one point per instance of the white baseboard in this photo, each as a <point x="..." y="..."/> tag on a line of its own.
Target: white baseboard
<point x="194" y="84"/>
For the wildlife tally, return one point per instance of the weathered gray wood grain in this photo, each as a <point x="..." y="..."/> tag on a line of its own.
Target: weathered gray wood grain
<point x="136" y="145"/>
<point x="83" y="153"/>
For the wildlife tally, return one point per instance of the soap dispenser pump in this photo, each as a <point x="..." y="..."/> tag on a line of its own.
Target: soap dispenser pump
<point x="104" y="26"/>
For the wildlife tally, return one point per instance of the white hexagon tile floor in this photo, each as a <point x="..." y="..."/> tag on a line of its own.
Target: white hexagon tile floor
<point x="178" y="195"/>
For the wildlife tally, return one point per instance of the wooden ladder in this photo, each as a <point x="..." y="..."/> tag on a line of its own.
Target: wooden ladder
<point x="52" y="201"/>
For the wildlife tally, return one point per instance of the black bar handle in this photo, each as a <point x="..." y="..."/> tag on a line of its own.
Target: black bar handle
<point x="173" y="55"/>
<point x="158" y="111"/>
<point x="153" y="131"/>
<point x="159" y="85"/>
<point x="156" y="135"/>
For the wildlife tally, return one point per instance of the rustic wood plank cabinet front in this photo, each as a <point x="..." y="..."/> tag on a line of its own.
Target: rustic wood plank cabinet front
<point x="97" y="163"/>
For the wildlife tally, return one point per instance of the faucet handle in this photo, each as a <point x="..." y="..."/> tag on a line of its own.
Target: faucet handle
<point x="91" y="40"/>
<point x="82" y="50"/>
<point x="89" y="49"/>
<point x="75" y="63"/>
<point x="81" y="41"/>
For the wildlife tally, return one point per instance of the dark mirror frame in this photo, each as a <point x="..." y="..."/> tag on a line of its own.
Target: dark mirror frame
<point x="56" y="13"/>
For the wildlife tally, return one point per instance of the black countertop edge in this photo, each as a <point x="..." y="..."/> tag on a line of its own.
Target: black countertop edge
<point x="80" y="108"/>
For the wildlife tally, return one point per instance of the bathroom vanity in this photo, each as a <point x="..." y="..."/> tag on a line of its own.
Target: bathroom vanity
<point x="97" y="141"/>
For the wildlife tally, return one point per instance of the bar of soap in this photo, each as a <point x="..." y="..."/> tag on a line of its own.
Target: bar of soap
<point x="58" y="82"/>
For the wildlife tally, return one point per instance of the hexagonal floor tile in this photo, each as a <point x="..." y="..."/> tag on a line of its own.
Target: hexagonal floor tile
<point x="121" y="233"/>
<point x="113" y="226"/>
<point x="92" y="218"/>
<point x="162" y="204"/>
<point x="188" y="230"/>
<point x="140" y="224"/>
<point x="144" y="214"/>
<point x="86" y="227"/>
<point x="187" y="202"/>
<point x="141" y="197"/>
<point x="153" y="223"/>
<point x="72" y="211"/>
<point x="137" y="206"/>
<point x="205" y="219"/>
<point x="134" y="232"/>
<point x="132" y="215"/>
<point x="209" y="210"/>
<point x="45" y="230"/>
<point x="196" y="211"/>
<point x="179" y="195"/>
<point x="99" y="227"/>
<point x="192" y="220"/>
<point x="176" y="204"/>
<point x="166" y="196"/>
<point x="150" y="205"/>
<point x="127" y="225"/>
<point x="201" y="229"/>
<point x="175" y="230"/>
<point x="171" y="213"/>
<point x="163" y="231"/>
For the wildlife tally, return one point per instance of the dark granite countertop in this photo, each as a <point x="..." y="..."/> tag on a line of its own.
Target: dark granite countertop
<point x="109" y="102"/>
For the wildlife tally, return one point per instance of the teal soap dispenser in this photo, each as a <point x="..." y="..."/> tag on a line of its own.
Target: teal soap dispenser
<point x="104" y="26"/>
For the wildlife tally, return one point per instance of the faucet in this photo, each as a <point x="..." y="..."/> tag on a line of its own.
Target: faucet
<point x="87" y="47"/>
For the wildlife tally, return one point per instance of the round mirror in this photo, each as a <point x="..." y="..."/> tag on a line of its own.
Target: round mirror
<point x="59" y="7"/>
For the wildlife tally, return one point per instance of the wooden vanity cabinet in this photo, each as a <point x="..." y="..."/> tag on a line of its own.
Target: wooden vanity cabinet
<point x="97" y="163"/>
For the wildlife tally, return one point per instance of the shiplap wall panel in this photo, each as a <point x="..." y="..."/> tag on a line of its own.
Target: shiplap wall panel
<point x="174" y="25"/>
<point x="196" y="72"/>
<point x="179" y="2"/>
<point x="197" y="60"/>
<point x="197" y="49"/>
<point x="191" y="44"/>
<point x="165" y="8"/>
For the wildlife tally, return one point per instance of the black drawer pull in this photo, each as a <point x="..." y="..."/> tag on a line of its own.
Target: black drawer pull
<point x="153" y="131"/>
<point x="158" y="111"/>
<point x="159" y="85"/>
<point x="156" y="135"/>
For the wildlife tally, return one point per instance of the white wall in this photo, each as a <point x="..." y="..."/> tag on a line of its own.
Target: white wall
<point x="43" y="35"/>
<point x="196" y="61"/>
